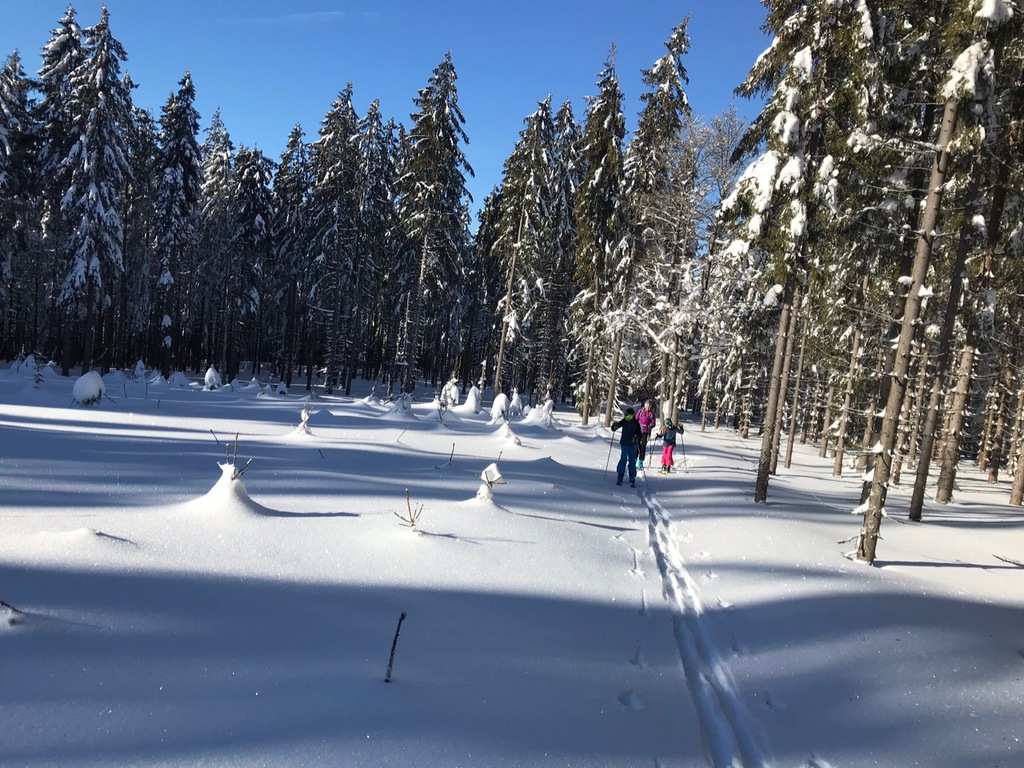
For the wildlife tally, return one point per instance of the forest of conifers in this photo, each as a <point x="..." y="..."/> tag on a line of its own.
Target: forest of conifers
<point x="845" y="269"/>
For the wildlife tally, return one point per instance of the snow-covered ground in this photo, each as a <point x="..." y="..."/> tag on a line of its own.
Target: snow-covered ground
<point x="159" y="612"/>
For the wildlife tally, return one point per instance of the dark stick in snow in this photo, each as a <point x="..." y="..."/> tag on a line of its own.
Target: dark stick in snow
<point x="394" y="645"/>
<point x="1009" y="560"/>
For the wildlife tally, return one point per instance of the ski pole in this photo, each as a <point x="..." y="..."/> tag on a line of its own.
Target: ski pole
<point x="608" y="461"/>
<point x="682" y="447"/>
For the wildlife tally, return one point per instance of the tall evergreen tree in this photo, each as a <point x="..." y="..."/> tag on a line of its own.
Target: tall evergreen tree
<point x="253" y="247"/>
<point x="100" y="106"/>
<point x="335" y="220"/>
<point x="217" y="228"/>
<point x="16" y="208"/>
<point x="433" y="211"/>
<point x="525" y="238"/>
<point x="292" y="184"/>
<point x="135" y="332"/>
<point x="177" y="210"/>
<point x="602" y="224"/>
<point x="554" y="353"/>
<point x="380" y="242"/>
<point x="659" y="172"/>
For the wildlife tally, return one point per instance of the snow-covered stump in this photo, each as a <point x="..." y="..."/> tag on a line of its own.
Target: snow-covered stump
<point x="491" y="477"/>
<point x="508" y="434"/>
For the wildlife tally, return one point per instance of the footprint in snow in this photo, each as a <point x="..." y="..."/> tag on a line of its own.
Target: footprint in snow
<point x="638" y="659"/>
<point x="643" y="603"/>
<point x="772" y="703"/>
<point x="710" y="575"/>
<point x="630" y="701"/>
<point x="738" y="649"/>
<point x="724" y="604"/>
<point x="637" y="570"/>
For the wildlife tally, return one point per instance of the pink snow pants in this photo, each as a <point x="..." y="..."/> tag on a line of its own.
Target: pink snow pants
<point x="666" y="455"/>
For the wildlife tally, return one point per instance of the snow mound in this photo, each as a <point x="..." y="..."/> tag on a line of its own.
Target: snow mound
<point x="89" y="388"/>
<point x="400" y="409"/>
<point x="10" y="617"/>
<point x="500" y="408"/>
<point x="472" y="405"/>
<point x="543" y="415"/>
<point x="228" y="497"/>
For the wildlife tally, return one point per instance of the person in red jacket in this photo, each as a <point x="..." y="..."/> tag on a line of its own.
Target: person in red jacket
<point x="647" y="418"/>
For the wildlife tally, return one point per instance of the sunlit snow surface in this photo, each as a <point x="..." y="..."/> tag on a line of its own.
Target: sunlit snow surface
<point x="161" y="609"/>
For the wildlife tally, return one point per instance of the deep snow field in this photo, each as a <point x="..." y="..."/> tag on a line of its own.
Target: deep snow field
<point x="157" y="612"/>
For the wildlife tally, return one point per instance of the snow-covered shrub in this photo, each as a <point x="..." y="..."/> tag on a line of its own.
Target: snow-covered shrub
<point x="178" y="379"/>
<point x="140" y="371"/>
<point x="515" y="406"/>
<point x="212" y="379"/>
<point x="499" y="408"/>
<point x="89" y="388"/>
<point x="450" y="393"/>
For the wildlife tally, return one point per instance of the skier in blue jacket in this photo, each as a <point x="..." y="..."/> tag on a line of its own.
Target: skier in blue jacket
<point x="628" y="444"/>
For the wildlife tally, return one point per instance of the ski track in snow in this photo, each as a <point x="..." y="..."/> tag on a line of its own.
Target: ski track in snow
<point x="728" y="728"/>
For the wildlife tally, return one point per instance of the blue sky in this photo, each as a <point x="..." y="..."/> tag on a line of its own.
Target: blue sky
<point x="270" y="65"/>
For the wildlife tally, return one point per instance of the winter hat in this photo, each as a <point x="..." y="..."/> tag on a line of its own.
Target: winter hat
<point x="629" y="411"/>
<point x="668" y="422"/>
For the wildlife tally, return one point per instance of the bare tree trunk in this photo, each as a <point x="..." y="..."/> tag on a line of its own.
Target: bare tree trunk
<point x="709" y="377"/>
<point x="995" y="454"/>
<point x="844" y="413"/>
<point x="949" y="457"/>
<point x="867" y="542"/>
<point x="826" y="420"/>
<point x="992" y="405"/>
<point x="787" y="365"/>
<point x="908" y="420"/>
<point x="870" y="435"/>
<point x="795" y="407"/>
<point x="769" y="424"/>
<point x="610" y="402"/>
<point x="1017" y="490"/>
<point x="915" y="429"/>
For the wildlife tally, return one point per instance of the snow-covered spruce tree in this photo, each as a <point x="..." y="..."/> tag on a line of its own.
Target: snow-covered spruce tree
<point x="379" y="235"/>
<point x="134" y="330"/>
<point x="990" y="75"/>
<point x="335" y="220"/>
<point x="217" y="228"/>
<point x="965" y="35"/>
<point x="100" y="109"/>
<point x="177" y="218"/>
<point x="553" y="343"/>
<point x="660" y="170"/>
<point x="61" y="55"/>
<point x="602" y="229"/>
<point x="432" y="207"/>
<point x="781" y="198"/>
<point x="253" y="248"/>
<point x="525" y="232"/>
<point x="292" y="184"/>
<point x="17" y="215"/>
<point x="483" y="319"/>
